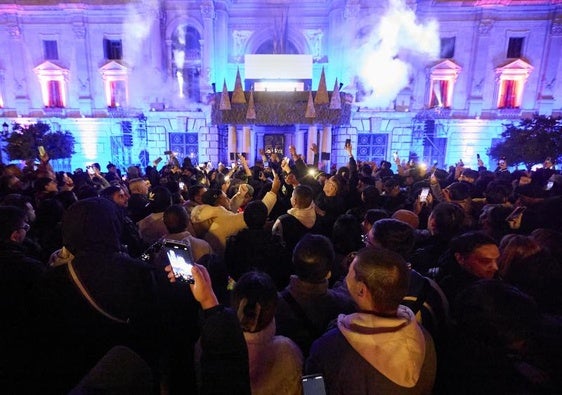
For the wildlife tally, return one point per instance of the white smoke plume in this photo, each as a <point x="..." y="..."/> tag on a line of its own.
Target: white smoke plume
<point x="389" y="49"/>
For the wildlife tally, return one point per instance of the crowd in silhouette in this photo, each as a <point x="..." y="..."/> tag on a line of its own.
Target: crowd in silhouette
<point x="382" y="277"/>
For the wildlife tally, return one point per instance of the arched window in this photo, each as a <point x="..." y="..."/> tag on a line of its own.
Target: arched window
<point x="274" y="47"/>
<point x="186" y="61"/>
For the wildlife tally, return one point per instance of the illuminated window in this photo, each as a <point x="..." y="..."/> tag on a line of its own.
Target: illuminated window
<point x="55" y="94"/>
<point x="53" y="80"/>
<point x="115" y="77"/>
<point x="511" y="80"/>
<point x="186" y="61"/>
<point x="441" y="84"/>
<point x="50" y="50"/>
<point x="439" y="96"/>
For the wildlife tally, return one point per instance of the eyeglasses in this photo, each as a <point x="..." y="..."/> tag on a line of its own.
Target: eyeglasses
<point x="25" y="227"/>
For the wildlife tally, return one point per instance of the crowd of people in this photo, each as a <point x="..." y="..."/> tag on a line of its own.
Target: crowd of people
<point x="383" y="277"/>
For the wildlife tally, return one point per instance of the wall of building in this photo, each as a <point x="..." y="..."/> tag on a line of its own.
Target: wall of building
<point x="340" y="36"/>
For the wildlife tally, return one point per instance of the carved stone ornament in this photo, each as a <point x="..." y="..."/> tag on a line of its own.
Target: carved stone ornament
<point x="79" y="31"/>
<point x="557" y="27"/>
<point x="208" y="9"/>
<point x="485" y="27"/>
<point x="15" y="31"/>
<point x="352" y="9"/>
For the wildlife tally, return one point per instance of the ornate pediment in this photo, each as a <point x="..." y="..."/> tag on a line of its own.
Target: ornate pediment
<point x="445" y="68"/>
<point x="114" y="67"/>
<point x="50" y="69"/>
<point x="514" y="68"/>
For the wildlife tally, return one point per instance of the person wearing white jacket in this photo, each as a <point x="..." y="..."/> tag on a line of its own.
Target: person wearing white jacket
<point x="220" y="221"/>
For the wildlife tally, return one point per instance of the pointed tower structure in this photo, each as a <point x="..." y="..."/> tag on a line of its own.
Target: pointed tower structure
<point x="310" y="110"/>
<point x="335" y="101"/>
<point x="322" y="93"/>
<point x="225" y="100"/>
<point x="251" y="113"/>
<point x="238" y="94"/>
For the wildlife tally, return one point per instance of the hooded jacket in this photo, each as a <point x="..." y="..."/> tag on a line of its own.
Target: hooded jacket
<point x="372" y="354"/>
<point x="76" y="334"/>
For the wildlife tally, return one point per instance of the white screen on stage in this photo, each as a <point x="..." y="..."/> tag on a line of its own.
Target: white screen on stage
<point x="278" y="66"/>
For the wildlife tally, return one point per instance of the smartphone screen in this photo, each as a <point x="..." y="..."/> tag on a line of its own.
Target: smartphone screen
<point x="179" y="256"/>
<point x="423" y="194"/>
<point x="41" y="150"/>
<point x="516" y="213"/>
<point x="313" y="385"/>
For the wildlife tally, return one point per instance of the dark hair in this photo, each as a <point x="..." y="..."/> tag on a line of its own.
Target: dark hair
<point x="17" y="200"/>
<point x="161" y="199"/>
<point x="346" y="234"/>
<point x="497" y="192"/>
<point x="374" y="214"/>
<point x="176" y="218"/>
<point x="385" y="273"/>
<point x="110" y="191"/>
<point x="449" y="219"/>
<point x="540" y="276"/>
<point x="371" y="196"/>
<point x="255" y="299"/>
<point x="459" y="191"/>
<point x="313" y="257"/>
<point x="10" y="219"/>
<point x="211" y="196"/>
<point x="467" y="242"/>
<point x="255" y="214"/>
<point x="303" y="195"/>
<point x="394" y="235"/>
<point x="194" y="190"/>
<point x="41" y="182"/>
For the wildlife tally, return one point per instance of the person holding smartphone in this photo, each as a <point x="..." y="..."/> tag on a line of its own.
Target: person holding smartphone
<point x="224" y="355"/>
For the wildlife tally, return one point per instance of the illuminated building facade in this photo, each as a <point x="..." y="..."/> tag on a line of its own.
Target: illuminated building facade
<point x="131" y="79"/>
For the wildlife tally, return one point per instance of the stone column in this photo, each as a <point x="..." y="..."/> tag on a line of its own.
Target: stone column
<point x="207" y="45"/>
<point x="325" y="148"/>
<point x="247" y="144"/>
<point x="479" y="69"/>
<point x="553" y="53"/>
<point x="299" y="140"/>
<point x="82" y="77"/>
<point x="232" y="143"/>
<point x="312" y="139"/>
<point x="21" y="91"/>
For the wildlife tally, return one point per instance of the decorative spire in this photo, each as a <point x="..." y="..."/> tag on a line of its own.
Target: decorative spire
<point x="238" y="94"/>
<point x="251" y="113"/>
<point x="225" y="100"/>
<point x="335" y="102"/>
<point x="310" y="110"/>
<point x="322" y="93"/>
